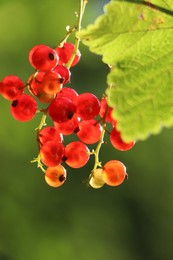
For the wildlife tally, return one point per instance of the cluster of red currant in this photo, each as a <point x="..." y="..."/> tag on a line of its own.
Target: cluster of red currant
<point x="83" y="115"/>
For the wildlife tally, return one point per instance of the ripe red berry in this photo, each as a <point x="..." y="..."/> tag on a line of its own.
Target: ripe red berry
<point x="69" y="93"/>
<point x="87" y="106"/>
<point x="51" y="153"/>
<point x="118" y="143"/>
<point x="105" y="110"/>
<point x="55" y="176"/>
<point x="63" y="72"/>
<point x="34" y="83"/>
<point x="11" y="87"/>
<point x="43" y="57"/>
<point x="68" y="127"/>
<point x="61" y="109"/>
<point x="114" y="173"/>
<point x="49" y="133"/>
<point x="35" y="87"/>
<point x="76" y="154"/>
<point x="89" y="131"/>
<point x="24" y="108"/>
<point x="65" y="53"/>
<point x="32" y="50"/>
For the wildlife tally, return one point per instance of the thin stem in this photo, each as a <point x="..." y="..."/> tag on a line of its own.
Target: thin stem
<point x="74" y="28"/>
<point x="39" y="164"/>
<point x="97" y="150"/>
<point x="96" y="153"/>
<point x="41" y="124"/>
<point x="78" y="28"/>
<point x="70" y="30"/>
<point x="43" y="119"/>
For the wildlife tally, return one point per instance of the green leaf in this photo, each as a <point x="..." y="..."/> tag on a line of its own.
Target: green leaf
<point x="136" y="39"/>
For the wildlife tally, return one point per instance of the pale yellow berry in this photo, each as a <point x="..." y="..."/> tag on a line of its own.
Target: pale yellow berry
<point x="96" y="181"/>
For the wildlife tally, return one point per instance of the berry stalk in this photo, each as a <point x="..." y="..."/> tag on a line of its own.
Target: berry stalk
<point x="40" y="126"/>
<point x="96" y="152"/>
<point x="78" y="28"/>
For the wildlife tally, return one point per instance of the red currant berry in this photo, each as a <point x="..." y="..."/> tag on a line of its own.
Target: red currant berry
<point x="11" y="87"/>
<point x="49" y="133"/>
<point x="35" y="88"/>
<point x="105" y="110"/>
<point x="87" y="106"/>
<point x="32" y="50"/>
<point x="76" y="154"/>
<point x="55" y="176"/>
<point x="51" y="153"/>
<point x="118" y="143"/>
<point x="51" y="83"/>
<point x="114" y="173"/>
<point x="68" y="127"/>
<point x="61" y="109"/>
<point x="69" y="93"/>
<point x="89" y="131"/>
<point x="34" y="83"/>
<point x="65" y="53"/>
<point x="43" y="57"/>
<point x="63" y="72"/>
<point x="24" y="108"/>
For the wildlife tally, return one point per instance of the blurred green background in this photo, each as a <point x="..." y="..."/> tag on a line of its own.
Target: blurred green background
<point x="131" y="222"/>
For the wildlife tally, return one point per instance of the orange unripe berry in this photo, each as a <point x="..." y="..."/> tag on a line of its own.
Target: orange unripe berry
<point x="51" y="83"/>
<point x="55" y="176"/>
<point x="114" y="173"/>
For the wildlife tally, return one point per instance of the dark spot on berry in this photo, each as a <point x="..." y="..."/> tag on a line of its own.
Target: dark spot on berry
<point x="64" y="158"/>
<point x="14" y="103"/>
<point x="62" y="178"/>
<point x="70" y="114"/>
<point x="76" y="130"/>
<point x="51" y="56"/>
<point x="61" y="80"/>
